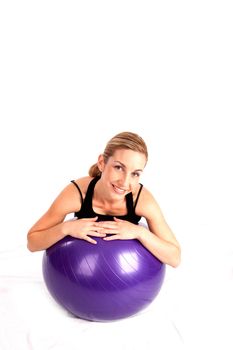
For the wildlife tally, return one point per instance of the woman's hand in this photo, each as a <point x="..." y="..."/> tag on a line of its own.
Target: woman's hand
<point x="83" y="228"/>
<point x="119" y="229"/>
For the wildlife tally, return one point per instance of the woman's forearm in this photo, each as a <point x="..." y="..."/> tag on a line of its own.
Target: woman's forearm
<point x="43" y="239"/>
<point x="166" y="252"/>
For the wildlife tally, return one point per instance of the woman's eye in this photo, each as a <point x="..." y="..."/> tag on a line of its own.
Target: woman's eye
<point x="118" y="167"/>
<point x="136" y="174"/>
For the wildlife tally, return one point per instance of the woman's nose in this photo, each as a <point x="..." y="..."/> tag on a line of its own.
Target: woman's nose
<point x="125" y="181"/>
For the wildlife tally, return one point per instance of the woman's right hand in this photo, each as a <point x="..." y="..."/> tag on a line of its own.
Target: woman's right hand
<point x="83" y="228"/>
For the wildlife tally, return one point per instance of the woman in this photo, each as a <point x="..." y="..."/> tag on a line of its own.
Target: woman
<point x="110" y="200"/>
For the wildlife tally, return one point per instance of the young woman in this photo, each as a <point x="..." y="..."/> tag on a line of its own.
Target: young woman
<point x="111" y="200"/>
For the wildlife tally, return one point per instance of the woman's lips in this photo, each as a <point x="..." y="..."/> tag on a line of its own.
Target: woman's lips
<point x="118" y="190"/>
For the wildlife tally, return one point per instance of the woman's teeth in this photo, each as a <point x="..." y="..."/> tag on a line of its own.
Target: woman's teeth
<point x="118" y="189"/>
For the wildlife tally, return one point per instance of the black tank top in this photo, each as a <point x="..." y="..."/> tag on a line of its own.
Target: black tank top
<point x="87" y="211"/>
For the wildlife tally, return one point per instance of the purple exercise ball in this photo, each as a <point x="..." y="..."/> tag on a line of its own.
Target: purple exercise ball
<point x="106" y="281"/>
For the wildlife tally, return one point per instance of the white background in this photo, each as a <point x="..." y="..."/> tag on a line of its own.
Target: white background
<point x="73" y="74"/>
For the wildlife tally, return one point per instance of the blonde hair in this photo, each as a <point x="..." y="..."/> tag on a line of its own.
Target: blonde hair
<point x="123" y="140"/>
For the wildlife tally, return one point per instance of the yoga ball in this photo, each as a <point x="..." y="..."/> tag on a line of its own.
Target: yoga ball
<point x="106" y="281"/>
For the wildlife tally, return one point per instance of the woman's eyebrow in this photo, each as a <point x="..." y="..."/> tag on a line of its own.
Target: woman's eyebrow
<point x="124" y="166"/>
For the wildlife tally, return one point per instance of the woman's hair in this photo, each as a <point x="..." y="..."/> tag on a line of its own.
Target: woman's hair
<point x="123" y="140"/>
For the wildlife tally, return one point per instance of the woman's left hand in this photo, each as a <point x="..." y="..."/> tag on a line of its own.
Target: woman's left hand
<point x="119" y="229"/>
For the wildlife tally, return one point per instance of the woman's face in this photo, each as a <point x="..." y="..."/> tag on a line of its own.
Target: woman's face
<point x="122" y="171"/>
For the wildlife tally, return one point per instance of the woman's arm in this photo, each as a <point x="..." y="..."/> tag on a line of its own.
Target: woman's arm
<point x="50" y="228"/>
<point x="165" y="250"/>
<point x="158" y="238"/>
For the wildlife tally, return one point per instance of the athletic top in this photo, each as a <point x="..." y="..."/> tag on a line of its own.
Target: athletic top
<point x="87" y="211"/>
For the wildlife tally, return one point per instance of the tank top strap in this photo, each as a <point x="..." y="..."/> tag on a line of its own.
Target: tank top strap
<point x="87" y="203"/>
<point x="78" y="188"/>
<point x="129" y="201"/>
<point x="138" y="196"/>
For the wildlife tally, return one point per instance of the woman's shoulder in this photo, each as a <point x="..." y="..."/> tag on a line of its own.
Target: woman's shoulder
<point x="146" y="195"/>
<point x="146" y="201"/>
<point x="83" y="183"/>
<point x="69" y="193"/>
<point x="69" y="199"/>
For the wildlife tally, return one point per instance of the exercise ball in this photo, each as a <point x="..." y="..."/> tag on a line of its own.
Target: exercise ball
<point x="106" y="281"/>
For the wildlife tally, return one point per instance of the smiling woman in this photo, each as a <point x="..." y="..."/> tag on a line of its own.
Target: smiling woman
<point x="111" y="200"/>
<point x="121" y="172"/>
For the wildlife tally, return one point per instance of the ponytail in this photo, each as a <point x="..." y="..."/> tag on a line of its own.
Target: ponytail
<point x="94" y="171"/>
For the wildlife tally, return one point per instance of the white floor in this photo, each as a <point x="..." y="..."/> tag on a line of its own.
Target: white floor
<point x="193" y="310"/>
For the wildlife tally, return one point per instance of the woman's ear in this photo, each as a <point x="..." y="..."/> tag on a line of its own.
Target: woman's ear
<point x="101" y="163"/>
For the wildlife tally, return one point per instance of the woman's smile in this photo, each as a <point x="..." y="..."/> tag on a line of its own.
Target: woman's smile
<point x="119" y="190"/>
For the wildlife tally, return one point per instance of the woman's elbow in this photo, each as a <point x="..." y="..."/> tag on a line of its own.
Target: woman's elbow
<point x="175" y="263"/>
<point x="176" y="258"/>
<point x="30" y="246"/>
